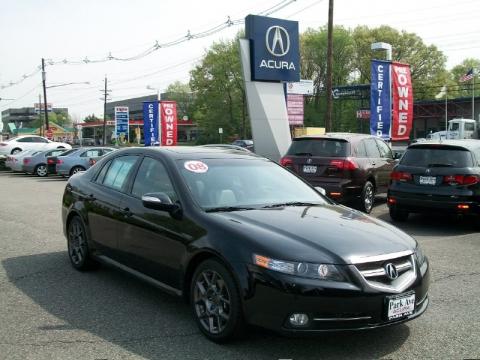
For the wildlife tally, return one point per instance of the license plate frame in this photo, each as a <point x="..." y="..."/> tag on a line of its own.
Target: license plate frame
<point x="310" y="169"/>
<point x="427" y="180"/>
<point x="399" y="306"/>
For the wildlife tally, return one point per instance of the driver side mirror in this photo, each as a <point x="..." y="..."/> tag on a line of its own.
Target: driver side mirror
<point x="161" y="201"/>
<point x="321" y="190"/>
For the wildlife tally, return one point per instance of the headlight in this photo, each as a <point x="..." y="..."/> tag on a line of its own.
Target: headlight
<point x="420" y="255"/>
<point x="307" y="270"/>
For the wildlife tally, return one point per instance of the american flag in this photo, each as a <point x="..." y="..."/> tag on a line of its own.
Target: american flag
<point x="468" y="76"/>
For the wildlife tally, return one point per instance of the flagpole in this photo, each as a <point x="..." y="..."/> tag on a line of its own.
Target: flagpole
<point x="473" y="96"/>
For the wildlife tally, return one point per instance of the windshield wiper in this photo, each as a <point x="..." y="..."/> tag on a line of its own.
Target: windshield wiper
<point x="440" y="165"/>
<point x="291" y="203"/>
<point x="229" y="208"/>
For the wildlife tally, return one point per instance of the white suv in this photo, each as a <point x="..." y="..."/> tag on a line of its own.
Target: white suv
<point x="29" y="142"/>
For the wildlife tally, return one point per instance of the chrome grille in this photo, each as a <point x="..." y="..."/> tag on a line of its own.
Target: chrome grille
<point x="374" y="275"/>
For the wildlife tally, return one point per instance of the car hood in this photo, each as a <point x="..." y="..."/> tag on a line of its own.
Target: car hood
<point x="320" y="233"/>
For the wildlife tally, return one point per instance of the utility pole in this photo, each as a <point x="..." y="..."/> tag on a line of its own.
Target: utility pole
<point x="44" y="79"/>
<point x="105" y="98"/>
<point x="328" y="117"/>
<point x="42" y="130"/>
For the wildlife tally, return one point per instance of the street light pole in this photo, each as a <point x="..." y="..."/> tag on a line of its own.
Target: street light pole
<point x="105" y="113"/>
<point x="44" y="93"/>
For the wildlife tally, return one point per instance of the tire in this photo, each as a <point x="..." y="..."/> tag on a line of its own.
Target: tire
<point x="367" y="198"/>
<point x="15" y="151"/>
<point x="78" y="250"/>
<point x="41" y="170"/>
<point x="215" y="302"/>
<point x="397" y="214"/>
<point x="76" y="169"/>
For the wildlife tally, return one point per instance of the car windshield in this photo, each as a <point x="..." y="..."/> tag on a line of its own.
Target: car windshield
<point x="424" y="156"/>
<point x="244" y="184"/>
<point x="318" y="147"/>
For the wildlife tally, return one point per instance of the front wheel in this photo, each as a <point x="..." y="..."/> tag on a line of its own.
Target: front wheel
<point x="215" y="302"/>
<point x="397" y="214"/>
<point x="15" y="151"/>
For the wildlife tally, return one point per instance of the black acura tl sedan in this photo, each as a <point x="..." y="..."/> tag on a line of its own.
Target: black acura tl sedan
<point x="244" y="241"/>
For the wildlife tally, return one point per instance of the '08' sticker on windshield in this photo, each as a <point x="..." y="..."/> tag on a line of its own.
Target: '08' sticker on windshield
<point x="196" y="166"/>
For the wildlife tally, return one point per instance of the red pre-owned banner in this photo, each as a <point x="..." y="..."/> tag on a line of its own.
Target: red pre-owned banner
<point x="402" y="104"/>
<point x="168" y="121"/>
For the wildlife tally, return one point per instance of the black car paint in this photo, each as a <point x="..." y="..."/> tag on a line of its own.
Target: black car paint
<point x="171" y="248"/>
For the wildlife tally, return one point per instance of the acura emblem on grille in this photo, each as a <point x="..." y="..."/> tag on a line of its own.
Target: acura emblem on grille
<point x="391" y="271"/>
<point x="309" y="161"/>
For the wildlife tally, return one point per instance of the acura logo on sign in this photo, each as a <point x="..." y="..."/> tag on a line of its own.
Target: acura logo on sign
<point x="277" y="41"/>
<point x="391" y="271"/>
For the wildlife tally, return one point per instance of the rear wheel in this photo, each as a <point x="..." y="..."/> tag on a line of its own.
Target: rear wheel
<point x="398" y="214"/>
<point x="76" y="169"/>
<point x="78" y="251"/>
<point x="41" y="170"/>
<point x="215" y="302"/>
<point x="367" y="198"/>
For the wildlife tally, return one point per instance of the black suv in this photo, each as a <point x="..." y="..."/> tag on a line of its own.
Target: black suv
<point x="350" y="167"/>
<point x="440" y="175"/>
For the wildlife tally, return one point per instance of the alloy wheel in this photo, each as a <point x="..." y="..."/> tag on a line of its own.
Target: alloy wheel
<point x="41" y="170"/>
<point x="212" y="301"/>
<point x="368" y="198"/>
<point x="77" y="246"/>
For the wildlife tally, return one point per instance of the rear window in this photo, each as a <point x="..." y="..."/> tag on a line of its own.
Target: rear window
<point x="431" y="157"/>
<point x="68" y="152"/>
<point x="319" y="147"/>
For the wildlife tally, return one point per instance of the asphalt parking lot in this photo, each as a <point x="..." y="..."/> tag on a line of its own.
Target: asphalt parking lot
<point x="49" y="310"/>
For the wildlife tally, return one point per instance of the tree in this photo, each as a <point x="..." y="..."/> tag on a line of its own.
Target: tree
<point x="91" y="118"/>
<point x="458" y="88"/>
<point x="181" y="93"/>
<point x="219" y="93"/>
<point x="427" y="63"/>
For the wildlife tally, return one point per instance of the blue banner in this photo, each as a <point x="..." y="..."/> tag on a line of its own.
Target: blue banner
<point x="274" y="48"/>
<point x="380" y="99"/>
<point x="150" y="123"/>
<point x="121" y="124"/>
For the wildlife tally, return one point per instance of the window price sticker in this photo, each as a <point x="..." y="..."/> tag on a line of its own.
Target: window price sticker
<point x="196" y="166"/>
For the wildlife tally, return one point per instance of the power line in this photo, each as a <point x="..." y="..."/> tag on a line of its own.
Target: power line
<point x="157" y="45"/>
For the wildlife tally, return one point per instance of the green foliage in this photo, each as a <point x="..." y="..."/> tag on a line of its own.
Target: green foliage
<point x="464" y="89"/>
<point x="182" y="94"/>
<point x="219" y="93"/>
<point x="91" y="118"/>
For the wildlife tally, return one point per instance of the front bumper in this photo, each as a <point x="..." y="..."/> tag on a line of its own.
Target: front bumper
<point x="330" y="306"/>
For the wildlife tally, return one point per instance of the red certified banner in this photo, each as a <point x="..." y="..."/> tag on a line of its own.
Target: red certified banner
<point x="168" y="119"/>
<point x="402" y="104"/>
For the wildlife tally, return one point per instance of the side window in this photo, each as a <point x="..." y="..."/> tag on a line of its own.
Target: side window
<point x="102" y="173"/>
<point x="385" y="151"/>
<point x="91" y="153"/>
<point x="25" y="139"/>
<point x="38" y="139"/>
<point x="118" y="171"/>
<point x="360" y="150"/>
<point x="152" y="177"/>
<point x="372" y="149"/>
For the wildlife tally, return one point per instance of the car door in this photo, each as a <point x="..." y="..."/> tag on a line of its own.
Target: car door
<point x="373" y="154"/>
<point x="83" y="159"/>
<point x="39" y="143"/>
<point x="152" y="241"/>
<point x="386" y="162"/>
<point x="103" y="203"/>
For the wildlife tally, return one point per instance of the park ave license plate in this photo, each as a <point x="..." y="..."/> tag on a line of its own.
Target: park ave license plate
<point x="309" y="169"/>
<point x="428" y="180"/>
<point x="399" y="306"/>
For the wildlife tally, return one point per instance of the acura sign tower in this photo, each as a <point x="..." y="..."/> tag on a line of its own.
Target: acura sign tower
<point x="270" y="55"/>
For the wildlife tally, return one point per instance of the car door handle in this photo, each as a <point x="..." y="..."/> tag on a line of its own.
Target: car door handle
<point x="374" y="163"/>
<point x="126" y="212"/>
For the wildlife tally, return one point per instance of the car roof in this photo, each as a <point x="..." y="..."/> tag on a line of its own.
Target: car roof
<point x="466" y="143"/>
<point x="342" y="136"/>
<point x="191" y="152"/>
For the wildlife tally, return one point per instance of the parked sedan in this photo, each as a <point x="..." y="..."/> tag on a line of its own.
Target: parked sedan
<point x="37" y="164"/>
<point x="439" y="176"/>
<point x="15" y="161"/>
<point x="244" y="241"/>
<point x="76" y="160"/>
<point x="29" y="142"/>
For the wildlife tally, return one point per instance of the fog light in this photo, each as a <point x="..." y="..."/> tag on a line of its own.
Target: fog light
<point x="299" y="319"/>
